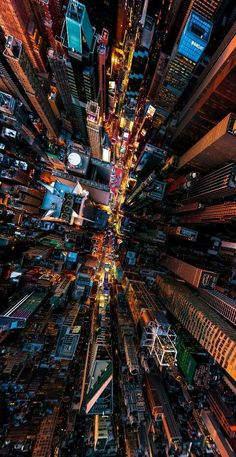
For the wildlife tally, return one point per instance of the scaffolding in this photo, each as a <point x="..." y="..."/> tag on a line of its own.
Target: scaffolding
<point x="159" y="340"/>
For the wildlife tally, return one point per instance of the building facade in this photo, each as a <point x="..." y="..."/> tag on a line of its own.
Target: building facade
<point x="212" y="332"/>
<point x="21" y="65"/>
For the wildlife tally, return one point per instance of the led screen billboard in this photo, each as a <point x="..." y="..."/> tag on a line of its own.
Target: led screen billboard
<point x="195" y="37"/>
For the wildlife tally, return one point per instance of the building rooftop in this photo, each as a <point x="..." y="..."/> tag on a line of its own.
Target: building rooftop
<point x="7" y="103"/>
<point x="67" y="342"/>
<point x="13" y="47"/>
<point x="21" y="309"/>
<point x="78" y="28"/>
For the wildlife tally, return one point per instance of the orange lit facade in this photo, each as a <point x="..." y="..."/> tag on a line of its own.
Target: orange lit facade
<point x="222" y="413"/>
<point x="17" y="19"/>
<point x="209" y="329"/>
<point x="20" y="64"/>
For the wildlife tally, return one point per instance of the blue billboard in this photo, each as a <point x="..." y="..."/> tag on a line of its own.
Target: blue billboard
<point x="195" y="37"/>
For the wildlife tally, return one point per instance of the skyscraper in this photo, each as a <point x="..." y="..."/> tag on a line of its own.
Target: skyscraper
<point x="79" y="40"/>
<point x="151" y="157"/>
<point x="58" y="63"/>
<point x="14" y="115"/>
<point x="213" y="97"/>
<point x="11" y="85"/>
<point x="146" y="193"/>
<point x="221" y="213"/>
<point x="8" y="81"/>
<point x="17" y="19"/>
<point x="218" y="183"/>
<point x="121" y="21"/>
<point x="49" y="14"/>
<point x="214" y="148"/>
<point x="139" y="63"/>
<point x="212" y="332"/>
<point x="94" y="128"/>
<point x="102" y="93"/>
<point x="186" y="53"/>
<point x="196" y="277"/>
<point x="222" y="304"/>
<point x="103" y="15"/>
<point x="20" y="64"/>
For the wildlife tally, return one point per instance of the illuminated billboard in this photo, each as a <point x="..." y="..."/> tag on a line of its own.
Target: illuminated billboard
<point x="104" y="37"/>
<point x="151" y="111"/>
<point x="195" y="37"/>
<point x="92" y="118"/>
<point x="93" y="111"/>
<point x="112" y="85"/>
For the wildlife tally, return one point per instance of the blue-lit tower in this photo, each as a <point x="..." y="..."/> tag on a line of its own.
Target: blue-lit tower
<point x="186" y="54"/>
<point x="79" y="41"/>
